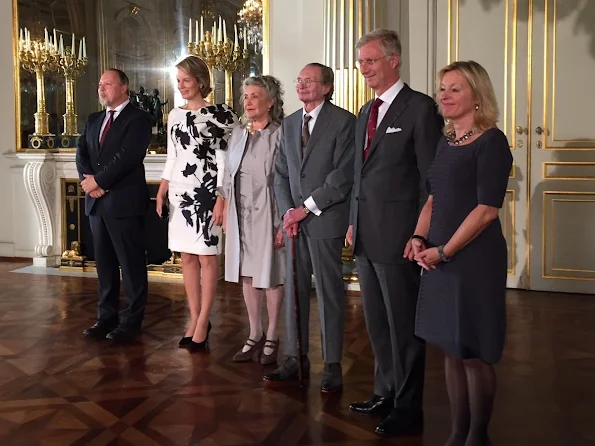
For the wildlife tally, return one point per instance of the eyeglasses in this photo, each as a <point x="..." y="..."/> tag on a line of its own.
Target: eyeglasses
<point x="369" y="62"/>
<point x="305" y="82"/>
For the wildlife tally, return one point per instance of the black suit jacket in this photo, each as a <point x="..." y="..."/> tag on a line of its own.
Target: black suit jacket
<point x="390" y="186"/>
<point x="118" y="166"/>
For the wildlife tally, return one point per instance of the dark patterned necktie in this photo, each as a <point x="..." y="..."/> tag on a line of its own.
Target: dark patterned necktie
<point x="305" y="132"/>
<point x="107" y="126"/>
<point x="372" y="122"/>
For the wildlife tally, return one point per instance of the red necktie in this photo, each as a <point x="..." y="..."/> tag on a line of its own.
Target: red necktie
<point x="372" y="121"/>
<point x="107" y="126"/>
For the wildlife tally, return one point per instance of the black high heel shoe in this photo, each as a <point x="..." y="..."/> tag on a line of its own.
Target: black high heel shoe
<point x="200" y="346"/>
<point x="185" y="342"/>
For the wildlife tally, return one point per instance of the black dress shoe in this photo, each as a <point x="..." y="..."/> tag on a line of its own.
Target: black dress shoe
<point x="401" y="424"/>
<point x="289" y="370"/>
<point x="98" y="331"/>
<point x="332" y="378"/>
<point x="376" y="404"/>
<point x="122" y="334"/>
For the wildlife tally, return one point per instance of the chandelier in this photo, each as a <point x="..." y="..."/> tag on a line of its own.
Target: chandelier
<point x="251" y="17"/>
<point x="208" y="8"/>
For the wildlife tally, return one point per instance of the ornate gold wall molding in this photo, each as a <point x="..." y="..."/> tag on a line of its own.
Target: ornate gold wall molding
<point x="345" y="21"/>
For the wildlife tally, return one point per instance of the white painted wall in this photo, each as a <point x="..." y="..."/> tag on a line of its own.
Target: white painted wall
<point x="296" y="39"/>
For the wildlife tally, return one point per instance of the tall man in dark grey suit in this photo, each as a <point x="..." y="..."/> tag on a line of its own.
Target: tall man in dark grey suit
<point x="395" y="139"/>
<point x="109" y="160"/>
<point x="313" y="181"/>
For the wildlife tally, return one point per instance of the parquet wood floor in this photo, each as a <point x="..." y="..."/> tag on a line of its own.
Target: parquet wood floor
<point x="57" y="388"/>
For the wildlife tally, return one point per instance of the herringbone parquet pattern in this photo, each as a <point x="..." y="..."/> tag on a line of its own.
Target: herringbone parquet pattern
<point x="57" y="388"/>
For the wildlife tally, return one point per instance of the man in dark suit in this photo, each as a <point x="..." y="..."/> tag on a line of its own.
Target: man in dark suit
<point x="313" y="181"/>
<point x="109" y="161"/>
<point x="395" y="139"/>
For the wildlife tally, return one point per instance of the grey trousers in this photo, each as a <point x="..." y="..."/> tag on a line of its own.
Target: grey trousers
<point x="389" y="297"/>
<point x="323" y="258"/>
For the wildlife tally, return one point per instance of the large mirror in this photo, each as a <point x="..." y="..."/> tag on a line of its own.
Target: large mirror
<point x="57" y="85"/>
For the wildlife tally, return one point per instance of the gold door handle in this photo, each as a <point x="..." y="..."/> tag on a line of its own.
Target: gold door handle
<point x="539" y="130"/>
<point x="520" y="130"/>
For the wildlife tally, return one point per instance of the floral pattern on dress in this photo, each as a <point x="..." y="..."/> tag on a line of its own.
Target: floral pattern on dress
<point x="202" y="133"/>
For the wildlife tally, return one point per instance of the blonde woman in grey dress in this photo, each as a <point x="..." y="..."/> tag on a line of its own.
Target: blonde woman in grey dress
<point x="254" y="247"/>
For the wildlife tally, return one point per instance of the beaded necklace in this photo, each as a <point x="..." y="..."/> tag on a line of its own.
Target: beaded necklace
<point x="456" y="142"/>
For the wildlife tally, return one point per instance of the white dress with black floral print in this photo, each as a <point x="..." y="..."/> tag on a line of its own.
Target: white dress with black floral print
<point x="196" y="145"/>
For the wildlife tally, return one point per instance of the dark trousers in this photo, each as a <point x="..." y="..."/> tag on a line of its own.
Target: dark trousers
<point x="120" y="242"/>
<point x="389" y="297"/>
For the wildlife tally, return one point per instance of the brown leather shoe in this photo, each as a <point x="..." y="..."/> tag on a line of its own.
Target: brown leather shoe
<point x="253" y="353"/>
<point x="272" y="358"/>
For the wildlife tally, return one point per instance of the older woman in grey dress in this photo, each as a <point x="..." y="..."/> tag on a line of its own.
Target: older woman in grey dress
<point x="254" y="238"/>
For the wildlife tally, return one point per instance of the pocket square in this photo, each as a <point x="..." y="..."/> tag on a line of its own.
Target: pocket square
<point x="393" y="130"/>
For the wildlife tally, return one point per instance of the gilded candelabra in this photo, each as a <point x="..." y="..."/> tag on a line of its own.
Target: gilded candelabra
<point x="219" y="53"/>
<point x="231" y="59"/>
<point x="72" y="67"/>
<point x="39" y="57"/>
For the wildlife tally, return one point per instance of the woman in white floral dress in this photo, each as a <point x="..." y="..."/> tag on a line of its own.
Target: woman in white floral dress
<point x="196" y="142"/>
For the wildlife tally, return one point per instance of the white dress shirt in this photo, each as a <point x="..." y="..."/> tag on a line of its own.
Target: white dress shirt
<point x="117" y="111"/>
<point x="309" y="203"/>
<point x="387" y="99"/>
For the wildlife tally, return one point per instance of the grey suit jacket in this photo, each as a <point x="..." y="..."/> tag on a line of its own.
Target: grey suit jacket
<point x="390" y="185"/>
<point x="325" y="172"/>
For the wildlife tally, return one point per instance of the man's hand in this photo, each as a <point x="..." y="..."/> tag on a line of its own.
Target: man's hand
<point x="97" y="193"/>
<point x="349" y="235"/>
<point x="89" y="184"/>
<point x="291" y="220"/>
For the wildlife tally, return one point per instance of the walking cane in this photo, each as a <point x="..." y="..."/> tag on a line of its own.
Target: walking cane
<point x="296" y="304"/>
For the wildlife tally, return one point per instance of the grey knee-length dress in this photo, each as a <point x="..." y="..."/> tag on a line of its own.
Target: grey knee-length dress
<point x="252" y="213"/>
<point x="461" y="304"/>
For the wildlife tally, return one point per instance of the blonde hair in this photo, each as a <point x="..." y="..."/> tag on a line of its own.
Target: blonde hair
<point x="198" y="69"/>
<point x="486" y="114"/>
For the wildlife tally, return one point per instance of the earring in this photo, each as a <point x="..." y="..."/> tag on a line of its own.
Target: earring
<point x="476" y="106"/>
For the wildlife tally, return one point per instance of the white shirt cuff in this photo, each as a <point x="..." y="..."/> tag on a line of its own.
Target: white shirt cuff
<point x="310" y="204"/>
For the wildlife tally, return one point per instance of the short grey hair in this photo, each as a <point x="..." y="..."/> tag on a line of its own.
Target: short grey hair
<point x="328" y="78"/>
<point x="274" y="90"/>
<point x="390" y="43"/>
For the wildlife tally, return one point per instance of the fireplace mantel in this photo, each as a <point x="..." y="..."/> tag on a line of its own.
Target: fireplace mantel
<point x="42" y="174"/>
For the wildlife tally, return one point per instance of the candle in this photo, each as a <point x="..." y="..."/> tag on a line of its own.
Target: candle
<point x="189" y="30"/>
<point x="214" y="33"/>
<point x="80" y="49"/>
<point x="219" y="35"/>
<point x="235" y="33"/>
<point x="72" y="46"/>
<point x="55" y="39"/>
<point x="224" y="31"/>
<point x="61" y="46"/>
<point x="202" y="31"/>
<point x="245" y="40"/>
<point x="21" y="35"/>
<point x="45" y="33"/>
<point x="84" y="48"/>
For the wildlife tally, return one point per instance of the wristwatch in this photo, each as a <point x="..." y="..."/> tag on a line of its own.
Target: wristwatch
<point x="305" y="209"/>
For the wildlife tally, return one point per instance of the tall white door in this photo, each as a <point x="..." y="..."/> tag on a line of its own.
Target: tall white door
<point x="562" y="140"/>
<point x="492" y="35"/>
<point x="540" y="55"/>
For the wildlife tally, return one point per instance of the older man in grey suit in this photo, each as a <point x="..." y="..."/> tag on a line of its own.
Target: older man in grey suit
<point x="313" y="180"/>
